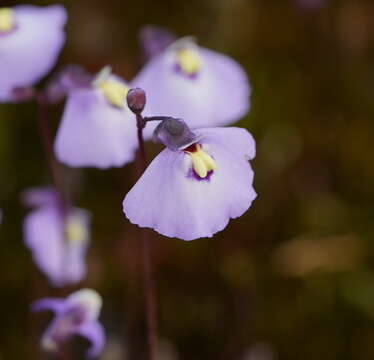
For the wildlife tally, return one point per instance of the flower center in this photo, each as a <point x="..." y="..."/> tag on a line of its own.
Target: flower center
<point x="115" y="92"/>
<point x="202" y="163"/>
<point x="6" y="20"/>
<point x="188" y="61"/>
<point x="75" y="232"/>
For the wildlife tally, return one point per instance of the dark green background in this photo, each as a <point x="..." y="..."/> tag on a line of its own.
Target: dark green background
<point x="294" y="276"/>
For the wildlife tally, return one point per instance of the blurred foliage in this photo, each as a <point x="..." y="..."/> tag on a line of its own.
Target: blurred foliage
<point x="294" y="277"/>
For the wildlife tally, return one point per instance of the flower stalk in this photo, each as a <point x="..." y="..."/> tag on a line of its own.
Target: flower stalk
<point x="46" y="139"/>
<point x="136" y="102"/>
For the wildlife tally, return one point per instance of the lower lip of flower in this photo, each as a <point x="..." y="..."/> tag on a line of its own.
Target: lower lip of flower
<point x="203" y="165"/>
<point x="7" y="21"/>
<point x="188" y="62"/>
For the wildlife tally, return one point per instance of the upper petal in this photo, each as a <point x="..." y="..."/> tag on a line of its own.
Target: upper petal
<point x="167" y="199"/>
<point x="93" y="133"/>
<point x="235" y="140"/>
<point x="218" y="95"/>
<point x="30" y="51"/>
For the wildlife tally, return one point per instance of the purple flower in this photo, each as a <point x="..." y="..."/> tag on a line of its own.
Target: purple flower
<point x="58" y="247"/>
<point x="76" y="315"/>
<point x="193" y="187"/>
<point x="31" y="38"/>
<point x="97" y="128"/>
<point x="199" y="85"/>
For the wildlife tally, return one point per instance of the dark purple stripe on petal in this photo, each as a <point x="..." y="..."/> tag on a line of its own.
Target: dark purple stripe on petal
<point x="177" y="69"/>
<point x="192" y="175"/>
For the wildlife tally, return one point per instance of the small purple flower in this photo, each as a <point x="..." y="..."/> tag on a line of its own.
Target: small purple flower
<point x="97" y="128"/>
<point x="31" y="39"/>
<point x="76" y="315"/>
<point x="58" y="247"/>
<point x="199" y="85"/>
<point x="197" y="184"/>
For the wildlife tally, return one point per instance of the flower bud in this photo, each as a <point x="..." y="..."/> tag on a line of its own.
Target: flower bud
<point x="136" y="100"/>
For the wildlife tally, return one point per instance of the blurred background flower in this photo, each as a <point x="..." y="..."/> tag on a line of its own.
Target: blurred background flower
<point x="31" y="40"/>
<point x="58" y="245"/>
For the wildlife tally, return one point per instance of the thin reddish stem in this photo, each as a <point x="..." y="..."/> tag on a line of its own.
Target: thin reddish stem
<point x="46" y="138"/>
<point x="149" y="284"/>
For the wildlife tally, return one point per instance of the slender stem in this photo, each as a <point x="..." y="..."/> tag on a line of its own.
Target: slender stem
<point x="141" y="125"/>
<point x="149" y="285"/>
<point x="47" y="143"/>
<point x="46" y="138"/>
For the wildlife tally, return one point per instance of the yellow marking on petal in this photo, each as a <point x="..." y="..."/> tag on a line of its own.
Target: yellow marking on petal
<point x="6" y="19"/>
<point x="202" y="162"/>
<point x="115" y="92"/>
<point x="189" y="61"/>
<point x="75" y="231"/>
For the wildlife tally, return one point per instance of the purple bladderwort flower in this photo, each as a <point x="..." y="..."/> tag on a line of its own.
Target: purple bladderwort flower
<point x="189" y="82"/>
<point x="197" y="184"/>
<point x="31" y="39"/>
<point x="97" y="128"/>
<point x="76" y="315"/>
<point x="58" y="246"/>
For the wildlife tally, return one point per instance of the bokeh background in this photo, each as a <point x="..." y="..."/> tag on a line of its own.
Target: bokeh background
<point x="291" y="279"/>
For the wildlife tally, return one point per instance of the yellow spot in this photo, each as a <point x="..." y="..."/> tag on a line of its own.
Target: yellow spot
<point x="189" y="61"/>
<point x="115" y="92"/>
<point x="75" y="231"/>
<point x="6" y="19"/>
<point x="202" y="162"/>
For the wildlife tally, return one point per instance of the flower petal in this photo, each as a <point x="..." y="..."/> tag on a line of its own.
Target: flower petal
<point x="53" y="304"/>
<point x="236" y="140"/>
<point x="231" y="89"/>
<point x="167" y="199"/>
<point x="94" y="332"/>
<point x="44" y="236"/>
<point x="94" y="133"/>
<point x="30" y="51"/>
<point x="218" y="95"/>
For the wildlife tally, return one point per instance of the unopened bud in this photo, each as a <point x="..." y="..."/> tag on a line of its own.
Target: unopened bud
<point x="136" y="100"/>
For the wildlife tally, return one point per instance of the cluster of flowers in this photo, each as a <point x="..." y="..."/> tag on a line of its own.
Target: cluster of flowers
<point x="200" y="181"/>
